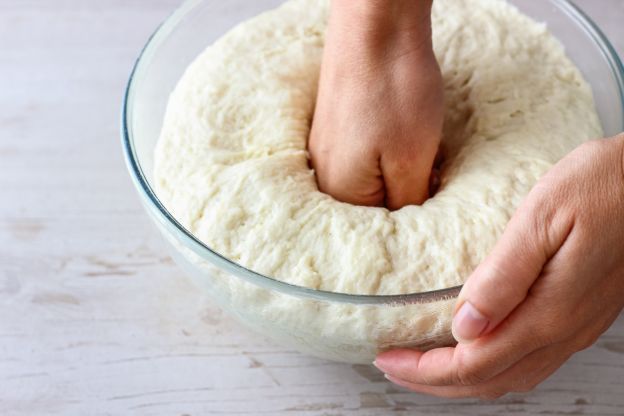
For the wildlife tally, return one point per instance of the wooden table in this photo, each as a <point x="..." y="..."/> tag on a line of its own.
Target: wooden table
<point x="95" y="319"/>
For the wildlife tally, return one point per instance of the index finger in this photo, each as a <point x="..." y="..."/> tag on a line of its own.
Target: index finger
<point x="467" y="364"/>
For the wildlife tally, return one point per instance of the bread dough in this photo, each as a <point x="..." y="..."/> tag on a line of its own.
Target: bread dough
<point x="232" y="167"/>
<point x="231" y="163"/>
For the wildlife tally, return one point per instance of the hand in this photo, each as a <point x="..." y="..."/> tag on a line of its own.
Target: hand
<point x="551" y="286"/>
<point x="379" y="111"/>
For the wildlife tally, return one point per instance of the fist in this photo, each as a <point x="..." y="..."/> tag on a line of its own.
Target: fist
<point x="379" y="112"/>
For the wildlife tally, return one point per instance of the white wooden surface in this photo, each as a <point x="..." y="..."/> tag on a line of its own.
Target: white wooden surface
<point x="94" y="317"/>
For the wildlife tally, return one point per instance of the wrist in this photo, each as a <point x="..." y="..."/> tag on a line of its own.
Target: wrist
<point x="383" y="12"/>
<point x="378" y="24"/>
<point x="619" y="140"/>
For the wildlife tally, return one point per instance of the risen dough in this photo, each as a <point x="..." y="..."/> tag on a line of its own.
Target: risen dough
<point x="232" y="167"/>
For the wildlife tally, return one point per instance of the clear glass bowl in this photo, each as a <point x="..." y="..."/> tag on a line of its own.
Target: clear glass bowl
<point x="342" y="327"/>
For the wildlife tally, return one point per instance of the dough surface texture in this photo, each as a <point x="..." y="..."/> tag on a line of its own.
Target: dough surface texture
<point x="231" y="163"/>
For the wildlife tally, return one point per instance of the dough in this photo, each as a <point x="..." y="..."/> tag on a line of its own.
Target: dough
<point x="231" y="163"/>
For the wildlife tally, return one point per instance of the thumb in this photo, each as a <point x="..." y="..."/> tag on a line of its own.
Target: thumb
<point x="501" y="282"/>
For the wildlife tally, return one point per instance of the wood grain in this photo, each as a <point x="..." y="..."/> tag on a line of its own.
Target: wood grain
<point x="95" y="319"/>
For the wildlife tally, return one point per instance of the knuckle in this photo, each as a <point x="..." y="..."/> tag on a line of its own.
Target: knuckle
<point x="468" y="378"/>
<point x="590" y="147"/>
<point x="550" y="331"/>
<point x="584" y="154"/>
<point x="401" y="164"/>
<point x="502" y="275"/>
<point x="469" y="373"/>
<point x="552" y="321"/>
<point x="406" y="158"/>
<point x="584" y="341"/>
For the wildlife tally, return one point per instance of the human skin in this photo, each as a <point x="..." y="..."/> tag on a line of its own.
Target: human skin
<point x="550" y="287"/>
<point x="379" y="112"/>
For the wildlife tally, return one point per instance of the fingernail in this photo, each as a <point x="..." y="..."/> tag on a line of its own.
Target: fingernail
<point x="396" y="381"/>
<point x="383" y="365"/>
<point x="390" y="378"/>
<point x="379" y="365"/>
<point x="468" y="323"/>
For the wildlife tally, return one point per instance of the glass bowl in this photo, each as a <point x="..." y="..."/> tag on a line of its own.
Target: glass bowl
<point x="337" y="326"/>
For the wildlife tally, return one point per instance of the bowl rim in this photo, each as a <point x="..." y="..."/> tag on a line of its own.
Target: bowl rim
<point x="164" y="217"/>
